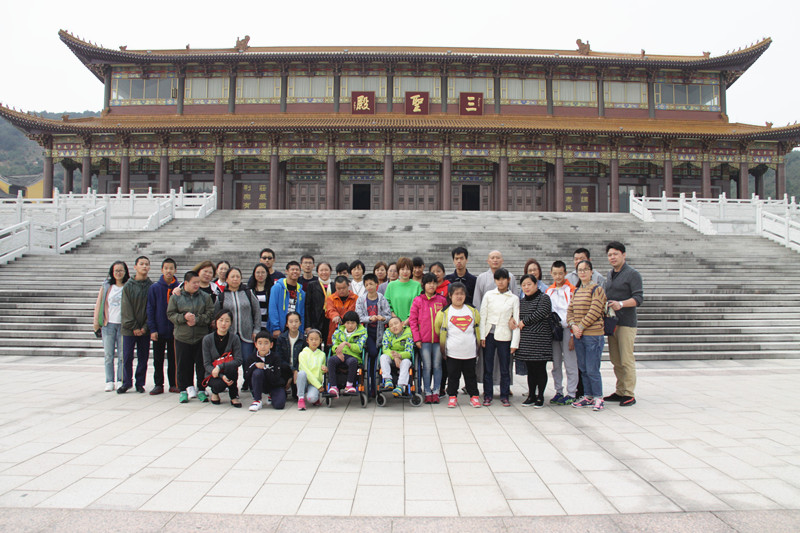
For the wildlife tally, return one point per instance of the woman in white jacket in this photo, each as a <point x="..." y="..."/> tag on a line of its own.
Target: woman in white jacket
<point x="498" y="307"/>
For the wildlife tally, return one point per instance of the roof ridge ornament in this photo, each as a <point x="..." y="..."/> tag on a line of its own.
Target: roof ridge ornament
<point x="242" y="45"/>
<point x="583" y="49"/>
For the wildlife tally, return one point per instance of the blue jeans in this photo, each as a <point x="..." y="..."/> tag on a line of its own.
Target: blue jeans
<point x="589" y="349"/>
<point x="304" y="390"/>
<point x="247" y="350"/>
<point x="431" y="354"/>
<point x="112" y="345"/>
<point x="142" y="345"/>
<point x="503" y="349"/>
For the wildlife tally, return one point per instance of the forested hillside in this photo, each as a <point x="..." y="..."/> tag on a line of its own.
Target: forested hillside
<point x="19" y="155"/>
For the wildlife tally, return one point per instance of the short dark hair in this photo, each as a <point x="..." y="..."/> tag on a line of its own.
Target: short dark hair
<point x="429" y="278"/>
<point x="205" y="264"/>
<point x="141" y="257"/>
<point x="170" y="261"/>
<point x="306" y="256"/>
<point x="189" y="276"/>
<point x="502" y="273"/>
<point x="291" y="264"/>
<point x="357" y="263"/>
<point x="340" y="279"/>
<point x="417" y="262"/>
<point x="342" y="267"/>
<point x="582" y="251"/>
<point x="370" y="277"/>
<point x="267" y="250"/>
<point x="530" y="277"/>
<point x="460" y="250"/>
<point x="615" y="245"/>
<point x="323" y="263"/>
<point x="380" y="264"/>
<point x="264" y="334"/>
<point x="351" y="316"/>
<point x="559" y="264"/>
<point x="456" y="286"/>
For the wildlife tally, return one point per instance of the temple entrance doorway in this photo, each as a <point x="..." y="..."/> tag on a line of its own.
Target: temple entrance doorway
<point x="362" y="196"/>
<point x="470" y="197"/>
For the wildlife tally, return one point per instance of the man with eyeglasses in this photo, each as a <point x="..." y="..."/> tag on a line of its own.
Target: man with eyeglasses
<point x="582" y="254"/>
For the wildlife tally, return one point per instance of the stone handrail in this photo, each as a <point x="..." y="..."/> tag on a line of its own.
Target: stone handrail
<point x="15" y="241"/>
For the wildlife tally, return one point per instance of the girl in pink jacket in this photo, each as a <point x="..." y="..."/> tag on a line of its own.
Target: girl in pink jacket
<point x="423" y="313"/>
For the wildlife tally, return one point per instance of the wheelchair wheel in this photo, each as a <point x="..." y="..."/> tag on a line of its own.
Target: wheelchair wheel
<point x="416" y="399"/>
<point x="328" y="401"/>
<point x="381" y="400"/>
<point x="364" y="399"/>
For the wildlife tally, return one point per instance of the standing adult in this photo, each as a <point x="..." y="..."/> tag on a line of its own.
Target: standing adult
<point x="307" y="272"/>
<point x="391" y="275"/>
<point x="222" y="273"/>
<point x="108" y="319"/>
<point x="260" y="284"/>
<point x="191" y="312"/>
<point x="533" y="268"/>
<point x="461" y="274"/>
<point x="134" y="327"/>
<point x="286" y="296"/>
<point x="268" y="257"/>
<point x="338" y="304"/>
<point x="401" y="293"/>
<point x="161" y="328"/>
<point x="535" y="338"/>
<point x="245" y="311"/>
<point x="585" y="319"/>
<point x="625" y="293"/>
<point x="316" y="297"/>
<point x="205" y="272"/>
<point x="583" y="254"/>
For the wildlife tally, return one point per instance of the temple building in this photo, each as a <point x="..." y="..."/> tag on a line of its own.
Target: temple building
<point x="412" y="127"/>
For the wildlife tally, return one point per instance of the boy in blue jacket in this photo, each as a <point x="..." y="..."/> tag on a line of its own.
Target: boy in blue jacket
<point x="286" y="296"/>
<point x="161" y="328"/>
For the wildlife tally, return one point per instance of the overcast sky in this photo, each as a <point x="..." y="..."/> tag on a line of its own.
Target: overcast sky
<point x="40" y="73"/>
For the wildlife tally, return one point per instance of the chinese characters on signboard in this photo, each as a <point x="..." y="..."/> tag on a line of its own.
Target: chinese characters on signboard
<point x="253" y="196"/>
<point x="417" y="103"/>
<point x="471" y="104"/>
<point x="362" y="102"/>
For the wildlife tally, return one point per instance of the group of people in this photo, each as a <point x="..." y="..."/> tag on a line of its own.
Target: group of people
<point x="275" y="327"/>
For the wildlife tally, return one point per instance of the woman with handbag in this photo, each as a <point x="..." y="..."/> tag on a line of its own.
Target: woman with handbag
<point x="245" y="310"/>
<point x="222" y="357"/>
<point x="535" y="339"/>
<point x="585" y="319"/>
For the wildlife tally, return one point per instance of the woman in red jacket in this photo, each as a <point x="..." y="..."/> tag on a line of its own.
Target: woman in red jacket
<point x="421" y="319"/>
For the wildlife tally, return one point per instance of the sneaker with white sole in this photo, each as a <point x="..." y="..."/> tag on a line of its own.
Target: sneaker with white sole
<point x="255" y="406"/>
<point x="584" y="402"/>
<point x="599" y="405"/>
<point x="191" y="391"/>
<point x="109" y="386"/>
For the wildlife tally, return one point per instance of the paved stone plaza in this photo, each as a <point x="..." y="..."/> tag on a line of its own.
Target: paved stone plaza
<point x="712" y="445"/>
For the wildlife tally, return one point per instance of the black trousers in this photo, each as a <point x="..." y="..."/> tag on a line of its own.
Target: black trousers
<point x="159" y="347"/>
<point x="217" y="385"/>
<point x="537" y="378"/>
<point x="457" y="367"/>
<point x="189" y="357"/>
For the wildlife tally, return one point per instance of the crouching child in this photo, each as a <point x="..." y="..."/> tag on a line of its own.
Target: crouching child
<point x="264" y="373"/>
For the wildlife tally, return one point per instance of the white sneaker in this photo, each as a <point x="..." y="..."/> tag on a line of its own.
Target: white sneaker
<point x="269" y="399"/>
<point x="109" y="386"/>
<point x="255" y="406"/>
<point x="119" y="384"/>
<point x="191" y="391"/>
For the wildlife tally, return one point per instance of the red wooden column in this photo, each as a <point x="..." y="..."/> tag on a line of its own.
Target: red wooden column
<point x="273" y="179"/>
<point x="125" y="173"/>
<point x="388" y="181"/>
<point x="330" y="182"/>
<point x="47" y="191"/>
<point x="218" y="177"/>
<point x="86" y="174"/>
<point x="447" y="170"/>
<point x="502" y="203"/>
<point x="560" y="205"/>
<point x="614" y="185"/>
<point x="69" y="176"/>
<point x="780" y="180"/>
<point x="706" y="190"/>
<point x="744" y="181"/>
<point x="163" y="174"/>
<point x="668" y="184"/>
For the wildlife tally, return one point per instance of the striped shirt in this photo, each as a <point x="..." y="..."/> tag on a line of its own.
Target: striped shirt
<point x="587" y="308"/>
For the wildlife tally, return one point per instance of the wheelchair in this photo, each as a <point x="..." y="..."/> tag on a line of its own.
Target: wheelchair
<point x="410" y="391"/>
<point x="361" y="382"/>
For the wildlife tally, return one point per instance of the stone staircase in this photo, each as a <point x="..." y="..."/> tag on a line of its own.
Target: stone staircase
<point x="706" y="297"/>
